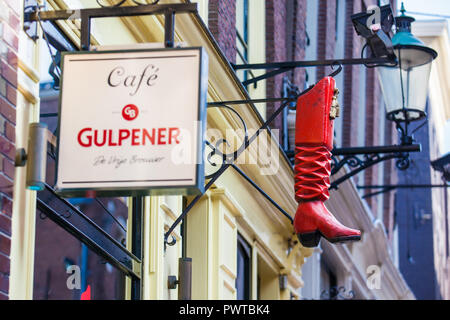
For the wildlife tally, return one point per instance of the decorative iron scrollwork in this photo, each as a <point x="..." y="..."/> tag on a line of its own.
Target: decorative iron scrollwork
<point x="172" y="242"/>
<point x="353" y="161"/>
<point x="367" y="160"/>
<point x="228" y="162"/>
<point x="118" y="4"/>
<point x="338" y="69"/>
<point x="360" y="158"/>
<point x="337" y="293"/>
<point x="121" y="2"/>
<point x="403" y="162"/>
<point x="227" y="158"/>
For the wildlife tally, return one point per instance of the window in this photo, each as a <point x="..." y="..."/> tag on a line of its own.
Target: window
<point x="328" y="283"/>
<point x="243" y="278"/>
<point x="64" y="267"/>
<point x="336" y="29"/>
<point x="242" y="36"/>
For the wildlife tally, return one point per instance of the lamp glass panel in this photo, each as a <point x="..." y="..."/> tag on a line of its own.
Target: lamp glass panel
<point x="412" y="57"/>
<point x="410" y="82"/>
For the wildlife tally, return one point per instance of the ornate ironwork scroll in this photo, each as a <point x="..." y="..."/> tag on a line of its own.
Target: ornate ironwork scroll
<point x="337" y="293"/>
<point x="120" y="2"/>
<point x="361" y="158"/>
<point x="226" y="157"/>
<point x="229" y="159"/>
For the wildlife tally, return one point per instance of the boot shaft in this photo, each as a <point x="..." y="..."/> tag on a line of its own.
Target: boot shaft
<point x="314" y="123"/>
<point x="314" y="141"/>
<point x="312" y="169"/>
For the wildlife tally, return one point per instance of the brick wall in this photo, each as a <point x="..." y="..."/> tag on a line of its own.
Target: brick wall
<point x="372" y="132"/>
<point x="275" y="52"/>
<point x="222" y="24"/>
<point x="299" y="40"/>
<point x="9" y="43"/>
<point x="351" y="78"/>
<point x="326" y="34"/>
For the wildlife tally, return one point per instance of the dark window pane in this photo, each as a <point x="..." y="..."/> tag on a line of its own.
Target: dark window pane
<point x="64" y="267"/>
<point x="243" y="278"/>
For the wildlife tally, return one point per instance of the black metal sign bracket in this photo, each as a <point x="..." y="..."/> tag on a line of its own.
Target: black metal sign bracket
<point x="361" y="158"/>
<point x="70" y="218"/>
<point x="228" y="160"/>
<point x="282" y="67"/>
<point x="33" y="15"/>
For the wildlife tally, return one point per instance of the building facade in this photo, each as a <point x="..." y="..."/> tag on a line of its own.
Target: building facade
<point x="241" y="246"/>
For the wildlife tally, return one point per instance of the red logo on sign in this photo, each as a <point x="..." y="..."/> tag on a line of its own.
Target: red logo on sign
<point x="130" y="112"/>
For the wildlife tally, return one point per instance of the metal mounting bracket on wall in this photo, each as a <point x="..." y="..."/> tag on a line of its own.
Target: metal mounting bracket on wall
<point x="361" y="158"/>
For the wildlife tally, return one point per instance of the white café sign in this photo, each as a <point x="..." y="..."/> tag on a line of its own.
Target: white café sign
<point x="132" y="122"/>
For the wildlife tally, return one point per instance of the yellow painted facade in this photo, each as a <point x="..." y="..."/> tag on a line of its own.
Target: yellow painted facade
<point x="230" y="207"/>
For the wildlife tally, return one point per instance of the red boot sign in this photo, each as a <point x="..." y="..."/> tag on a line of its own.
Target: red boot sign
<point x="316" y="111"/>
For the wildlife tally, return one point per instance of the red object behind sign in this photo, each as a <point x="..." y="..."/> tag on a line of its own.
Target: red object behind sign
<point x="87" y="294"/>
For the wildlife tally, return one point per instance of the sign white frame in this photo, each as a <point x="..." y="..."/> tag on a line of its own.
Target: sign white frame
<point x="71" y="183"/>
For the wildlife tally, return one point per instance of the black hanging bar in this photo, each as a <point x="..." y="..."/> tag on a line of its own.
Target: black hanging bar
<point x="84" y="229"/>
<point x="285" y="66"/>
<point x="359" y="166"/>
<point x="137" y="243"/>
<point x="168" y="10"/>
<point x="361" y="158"/>
<point x="266" y="100"/>
<point x="378" y="149"/>
<point x="312" y="63"/>
<point x="276" y="205"/>
<point x="169" y="34"/>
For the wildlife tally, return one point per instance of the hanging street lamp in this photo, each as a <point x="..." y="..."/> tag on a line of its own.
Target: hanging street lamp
<point x="405" y="86"/>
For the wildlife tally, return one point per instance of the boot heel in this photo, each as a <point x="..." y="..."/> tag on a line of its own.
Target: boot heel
<point x="309" y="240"/>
